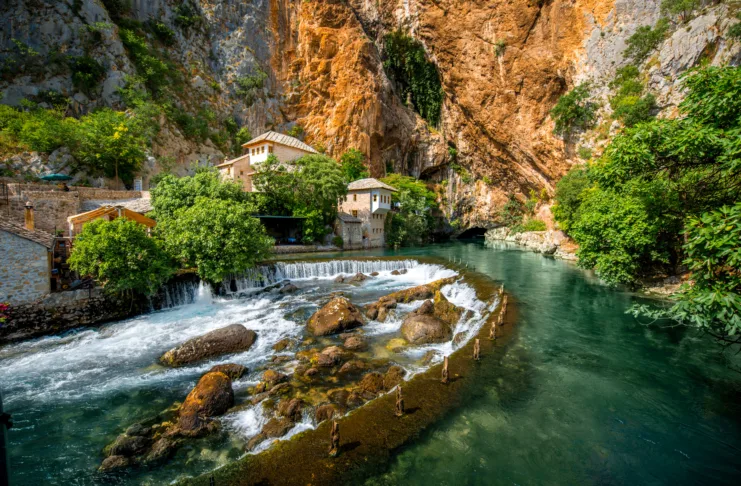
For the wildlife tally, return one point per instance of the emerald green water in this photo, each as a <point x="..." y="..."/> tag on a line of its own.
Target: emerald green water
<point x="585" y="395"/>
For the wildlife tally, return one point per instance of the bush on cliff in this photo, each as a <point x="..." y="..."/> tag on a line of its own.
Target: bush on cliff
<point x="412" y="223"/>
<point x="574" y="111"/>
<point x="121" y="257"/>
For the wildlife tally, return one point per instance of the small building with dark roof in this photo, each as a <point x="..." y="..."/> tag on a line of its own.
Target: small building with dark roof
<point x="350" y="229"/>
<point x="370" y="201"/>
<point x="25" y="266"/>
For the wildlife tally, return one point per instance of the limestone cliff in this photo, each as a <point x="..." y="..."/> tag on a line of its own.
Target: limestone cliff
<point x="503" y="66"/>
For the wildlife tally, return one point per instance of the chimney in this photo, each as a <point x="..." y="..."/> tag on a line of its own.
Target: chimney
<point x="29" y="216"/>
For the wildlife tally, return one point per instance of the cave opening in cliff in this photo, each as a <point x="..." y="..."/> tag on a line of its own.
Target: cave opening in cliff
<point x="472" y="233"/>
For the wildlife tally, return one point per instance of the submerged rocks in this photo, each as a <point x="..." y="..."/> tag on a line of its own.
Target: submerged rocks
<point x="212" y="396"/>
<point x="379" y="310"/>
<point x="230" y="339"/>
<point x="357" y="278"/>
<point x="355" y="343"/>
<point x="338" y="315"/>
<point x="393" y="377"/>
<point x="329" y="357"/>
<point x="399" y="272"/>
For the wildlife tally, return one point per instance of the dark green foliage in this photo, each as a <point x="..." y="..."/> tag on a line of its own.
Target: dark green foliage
<point x="165" y="34"/>
<point x="629" y="211"/>
<point x="645" y="40"/>
<point x="86" y="73"/>
<point x="512" y="212"/>
<point x="55" y="99"/>
<point x="413" y="222"/>
<point x="569" y="196"/>
<point x="574" y="111"/>
<point x="173" y="193"/>
<point x="585" y="153"/>
<point x="353" y="165"/>
<point x="243" y="135"/>
<point x="250" y="86"/>
<point x="683" y="8"/>
<point x="121" y="257"/>
<point x="629" y="104"/>
<point x="712" y="301"/>
<point x="338" y="241"/>
<point x="155" y="72"/>
<point x="407" y="65"/>
<point x="187" y="16"/>
<point x="117" y="8"/>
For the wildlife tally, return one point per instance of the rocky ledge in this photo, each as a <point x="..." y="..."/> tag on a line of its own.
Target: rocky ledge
<point x="553" y="242"/>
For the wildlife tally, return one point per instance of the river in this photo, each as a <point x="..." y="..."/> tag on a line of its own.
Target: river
<point x="585" y="394"/>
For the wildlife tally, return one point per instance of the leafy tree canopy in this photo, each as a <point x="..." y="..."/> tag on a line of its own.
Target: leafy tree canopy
<point x="574" y="111"/>
<point x="353" y="165"/>
<point x="121" y="256"/>
<point x="220" y="237"/>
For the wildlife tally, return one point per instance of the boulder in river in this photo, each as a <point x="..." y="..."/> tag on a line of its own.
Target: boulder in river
<point x="212" y="396"/>
<point x="393" y="377"/>
<point x="357" y="278"/>
<point x="338" y="315"/>
<point x="226" y="340"/>
<point x="288" y="289"/>
<point x="446" y="310"/>
<point x="114" y="462"/>
<point x="329" y="357"/>
<point x="425" y="329"/>
<point x="232" y="370"/>
<point x="355" y="343"/>
<point x="379" y="310"/>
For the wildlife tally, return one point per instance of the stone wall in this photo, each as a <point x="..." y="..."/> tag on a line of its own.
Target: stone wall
<point x="24" y="269"/>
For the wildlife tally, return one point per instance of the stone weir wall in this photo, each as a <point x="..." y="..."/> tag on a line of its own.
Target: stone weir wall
<point x="63" y="311"/>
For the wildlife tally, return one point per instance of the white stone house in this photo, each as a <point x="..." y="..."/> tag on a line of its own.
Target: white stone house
<point x="256" y="152"/>
<point x="25" y="266"/>
<point x="370" y="201"/>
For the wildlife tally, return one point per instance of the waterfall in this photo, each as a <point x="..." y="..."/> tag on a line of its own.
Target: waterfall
<point x="266" y="275"/>
<point x="175" y="294"/>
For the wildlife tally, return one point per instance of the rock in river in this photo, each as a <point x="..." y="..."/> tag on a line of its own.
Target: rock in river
<point x="229" y="339"/>
<point x="425" y="329"/>
<point x="212" y="396"/>
<point x="338" y="315"/>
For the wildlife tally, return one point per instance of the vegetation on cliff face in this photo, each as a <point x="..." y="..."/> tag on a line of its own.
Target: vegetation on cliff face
<point x="413" y="223"/>
<point x="574" y="111"/>
<point x="416" y="76"/>
<point x="659" y="197"/>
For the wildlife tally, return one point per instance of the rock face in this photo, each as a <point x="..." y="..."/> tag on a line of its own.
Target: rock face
<point x="211" y="397"/>
<point x="230" y="339"/>
<point x="552" y="242"/>
<point x="337" y="316"/>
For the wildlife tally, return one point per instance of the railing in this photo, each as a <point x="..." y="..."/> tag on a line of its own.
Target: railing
<point x="5" y="195"/>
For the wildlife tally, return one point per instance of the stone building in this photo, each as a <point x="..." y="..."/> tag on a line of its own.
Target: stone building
<point x="350" y="229"/>
<point x="256" y="152"/>
<point x="25" y="266"/>
<point x="370" y="201"/>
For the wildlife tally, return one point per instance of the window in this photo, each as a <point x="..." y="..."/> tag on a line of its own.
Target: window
<point x="228" y="171"/>
<point x="253" y="151"/>
<point x="241" y="172"/>
<point x="270" y="149"/>
<point x="355" y="213"/>
<point x="263" y="149"/>
<point x="354" y="197"/>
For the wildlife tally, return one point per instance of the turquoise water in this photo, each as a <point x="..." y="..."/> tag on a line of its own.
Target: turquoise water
<point x="585" y="394"/>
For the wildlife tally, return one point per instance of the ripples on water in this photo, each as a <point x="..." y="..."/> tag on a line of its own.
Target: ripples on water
<point x="72" y="394"/>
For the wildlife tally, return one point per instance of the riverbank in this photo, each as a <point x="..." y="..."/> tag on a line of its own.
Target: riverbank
<point x="553" y="243"/>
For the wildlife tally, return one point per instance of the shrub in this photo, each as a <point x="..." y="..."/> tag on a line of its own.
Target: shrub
<point x="734" y="31"/>
<point x="499" y="47"/>
<point x="569" y="191"/>
<point x="683" y="8"/>
<point x="154" y="72"/>
<point x="338" y="241"/>
<point x="645" y="40"/>
<point x="530" y="225"/>
<point x="585" y="153"/>
<point x="628" y="104"/>
<point x="244" y="135"/>
<point x="250" y="86"/>
<point x="512" y="212"/>
<point x="186" y="16"/>
<point x="165" y="34"/>
<point x="86" y="72"/>
<point x="574" y="111"/>
<point x="117" y="8"/>
<point x="407" y="65"/>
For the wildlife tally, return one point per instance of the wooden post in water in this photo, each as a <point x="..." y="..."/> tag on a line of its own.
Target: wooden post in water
<point x="476" y="349"/>
<point x="334" y="449"/>
<point x="399" y="402"/>
<point x="493" y="331"/>
<point x="445" y="370"/>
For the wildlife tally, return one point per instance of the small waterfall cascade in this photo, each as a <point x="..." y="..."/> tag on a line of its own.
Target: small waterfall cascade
<point x="176" y="294"/>
<point x="266" y="275"/>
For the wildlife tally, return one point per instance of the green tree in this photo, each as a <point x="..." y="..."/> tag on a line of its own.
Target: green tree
<point x="645" y="40"/>
<point x="353" y="165"/>
<point x="113" y="143"/>
<point x="683" y="8"/>
<point x="174" y="193"/>
<point x="411" y="225"/>
<point x="243" y="135"/>
<point x="574" y="111"/>
<point x="629" y="104"/>
<point x="569" y="197"/>
<point x="219" y="237"/>
<point x="121" y="257"/>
